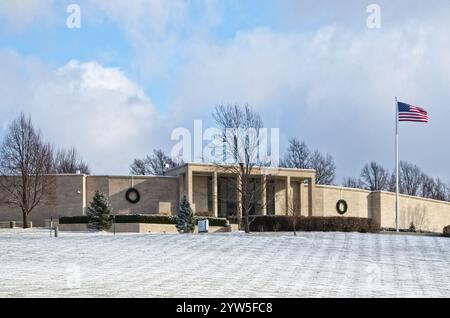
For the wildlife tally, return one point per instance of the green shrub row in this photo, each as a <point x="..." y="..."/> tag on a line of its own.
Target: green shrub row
<point x="213" y="221"/>
<point x="393" y="229"/>
<point x="74" y="220"/>
<point x="313" y="224"/>
<point x="139" y="218"/>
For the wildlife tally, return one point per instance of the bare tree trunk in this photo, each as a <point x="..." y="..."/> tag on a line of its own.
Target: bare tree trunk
<point x="25" y="219"/>
<point x="247" y="223"/>
<point x="241" y="137"/>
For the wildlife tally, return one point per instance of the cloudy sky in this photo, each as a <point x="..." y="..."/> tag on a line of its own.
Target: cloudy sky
<point x="137" y="69"/>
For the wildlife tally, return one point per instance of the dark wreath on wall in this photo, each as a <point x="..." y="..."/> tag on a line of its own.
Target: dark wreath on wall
<point x="133" y="196"/>
<point x="341" y="207"/>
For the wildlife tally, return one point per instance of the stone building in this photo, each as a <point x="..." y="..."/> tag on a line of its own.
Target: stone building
<point x="213" y="190"/>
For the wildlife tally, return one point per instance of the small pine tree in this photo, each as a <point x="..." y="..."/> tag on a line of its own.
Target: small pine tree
<point x="185" y="217"/>
<point x="99" y="212"/>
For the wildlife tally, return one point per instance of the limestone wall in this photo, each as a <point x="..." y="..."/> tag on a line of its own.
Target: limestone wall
<point x="153" y="191"/>
<point x="73" y="193"/>
<point x="326" y="198"/>
<point x="426" y="214"/>
<point x="200" y="193"/>
<point x="65" y="199"/>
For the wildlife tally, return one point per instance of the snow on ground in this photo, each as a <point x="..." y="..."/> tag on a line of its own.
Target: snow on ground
<point x="222" y="265"/>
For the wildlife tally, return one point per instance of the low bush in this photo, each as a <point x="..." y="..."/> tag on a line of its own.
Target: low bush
<point x="141" y="218"/>
<point x="314" y="224"/>
<point x="74" y="220"/>
<point x="447" y="231"/>
<point x="408" y="230"/>
<point x="213" y="221"/>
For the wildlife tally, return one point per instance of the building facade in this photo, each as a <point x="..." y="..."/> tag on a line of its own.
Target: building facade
<point x="214" y="190"/>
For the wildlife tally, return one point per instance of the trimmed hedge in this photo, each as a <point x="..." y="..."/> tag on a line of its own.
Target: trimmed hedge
<point x="447" y="231"/>
<point x="213" y="221"/>
<point x="313" y="224"/>
<point x="74" y="220"/>
<point x="139" y="218"/>
<point x="392" y="229"/>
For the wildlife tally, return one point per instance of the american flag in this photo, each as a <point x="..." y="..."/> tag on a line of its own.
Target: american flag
<point x="408" y="112"/>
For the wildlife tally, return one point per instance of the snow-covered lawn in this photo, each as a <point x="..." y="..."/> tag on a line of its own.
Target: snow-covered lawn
<point x="222" y="265"/>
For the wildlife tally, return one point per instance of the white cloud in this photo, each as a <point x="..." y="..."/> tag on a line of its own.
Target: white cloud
<point x="333" y="87"/>
<point x="97" y="109"/>
<point x="320" y="75"/>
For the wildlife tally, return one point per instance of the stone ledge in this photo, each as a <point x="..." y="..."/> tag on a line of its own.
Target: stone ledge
<point x="142" y="228"/>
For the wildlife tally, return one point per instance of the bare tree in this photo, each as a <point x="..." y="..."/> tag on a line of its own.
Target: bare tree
<point x="26" y="162"/>
<point x="294" y="212"/>
<point x="434" y="188"/>
<point x="441" y="191"/>
<point x="428" y="186"/>
<point x="299" y="156"/>
<point x="69" y="161"/>
<point x="139" y="168"/>
<point x="241" y="133"/>
<point x="410" y="178"/>
<point x="375" y="177"/>
<point x="412" y="181"/>
<point x="392" y="183"/>
<point x="353" y="183"/>
<point x="156" y="164"/>
<point x="324" y="166"/>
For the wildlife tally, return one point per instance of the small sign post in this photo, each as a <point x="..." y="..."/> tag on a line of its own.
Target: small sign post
<point x="203" y="226"/>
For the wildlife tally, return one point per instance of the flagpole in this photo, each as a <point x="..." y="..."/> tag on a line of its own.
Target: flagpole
<point x="397" y="214"/>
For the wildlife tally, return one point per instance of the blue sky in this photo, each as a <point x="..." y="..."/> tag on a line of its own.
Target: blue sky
<point x="136" y="70"/>
<point x="102" y="39"/>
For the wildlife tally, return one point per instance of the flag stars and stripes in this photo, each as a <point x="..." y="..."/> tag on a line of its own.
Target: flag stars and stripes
<point x="412" y="113"/>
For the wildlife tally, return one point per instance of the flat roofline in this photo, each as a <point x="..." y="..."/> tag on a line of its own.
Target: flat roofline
<point x="102" y="176"/>
<point x="56" y="175"/>
<point x="198" y="164"/>
<point x="131" y="176"/>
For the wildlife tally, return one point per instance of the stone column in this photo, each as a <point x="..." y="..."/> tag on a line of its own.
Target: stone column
<point x="300" y="190"/>
<point x="288" y="195"/>
<point x="263" y="195"/>
<point x="311" y="186"/>
<point x="238" y="198"/>
<point x="181" y="186"/>
<point x="215" y="207"/>
<point x="188" y="185"/>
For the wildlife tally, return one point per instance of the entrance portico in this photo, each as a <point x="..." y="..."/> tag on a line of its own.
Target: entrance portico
<point x="215" y="190"/>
